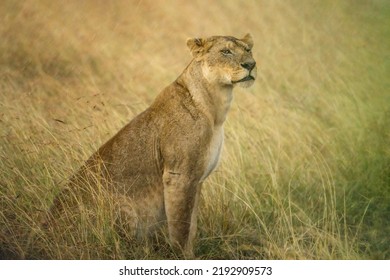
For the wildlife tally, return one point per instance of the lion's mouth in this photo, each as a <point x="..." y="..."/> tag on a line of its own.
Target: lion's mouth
<point x="247" y="78"/>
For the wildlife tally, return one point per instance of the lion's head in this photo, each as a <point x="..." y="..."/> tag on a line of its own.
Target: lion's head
<point x="225" y="60"/>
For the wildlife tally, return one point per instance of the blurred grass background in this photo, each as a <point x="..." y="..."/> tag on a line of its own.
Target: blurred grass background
<point x="305" y="171"/>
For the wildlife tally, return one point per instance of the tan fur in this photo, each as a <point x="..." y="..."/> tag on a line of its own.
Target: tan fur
<point x="156" y="164"/>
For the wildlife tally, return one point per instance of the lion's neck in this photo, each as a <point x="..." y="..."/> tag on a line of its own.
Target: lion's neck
<point x="213" y="99"/>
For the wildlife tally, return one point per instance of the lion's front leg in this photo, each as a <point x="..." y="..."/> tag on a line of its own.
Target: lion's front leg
<point x="181" y="198"/>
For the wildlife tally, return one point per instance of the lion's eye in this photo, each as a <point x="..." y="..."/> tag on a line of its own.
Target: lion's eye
<point x="248" y="50"/>
<point x="226" y="52"/>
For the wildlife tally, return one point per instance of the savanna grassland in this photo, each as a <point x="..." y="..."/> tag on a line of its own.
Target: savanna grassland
<point x="305" y="171"/>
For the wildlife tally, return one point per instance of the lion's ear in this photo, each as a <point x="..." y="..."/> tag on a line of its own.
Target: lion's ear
<point x="248" y="40"/>
<point x="196" y="46"/>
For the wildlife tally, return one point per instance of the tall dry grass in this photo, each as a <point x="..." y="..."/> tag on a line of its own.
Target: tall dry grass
<point x="305" y="172"/>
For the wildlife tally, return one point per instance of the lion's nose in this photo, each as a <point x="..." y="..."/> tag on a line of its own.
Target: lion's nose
<point x="249" y="65"/>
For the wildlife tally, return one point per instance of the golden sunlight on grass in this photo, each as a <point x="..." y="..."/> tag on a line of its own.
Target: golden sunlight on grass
<point x="305" y="171"/>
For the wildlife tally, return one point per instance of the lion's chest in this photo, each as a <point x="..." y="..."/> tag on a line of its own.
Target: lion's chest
<point x="213" y="152"/>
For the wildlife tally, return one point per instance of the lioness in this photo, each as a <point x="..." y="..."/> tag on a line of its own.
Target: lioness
<point x="157" y="163"/>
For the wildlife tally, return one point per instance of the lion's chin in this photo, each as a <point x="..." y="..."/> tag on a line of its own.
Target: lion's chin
<point x="247" y="83"/>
